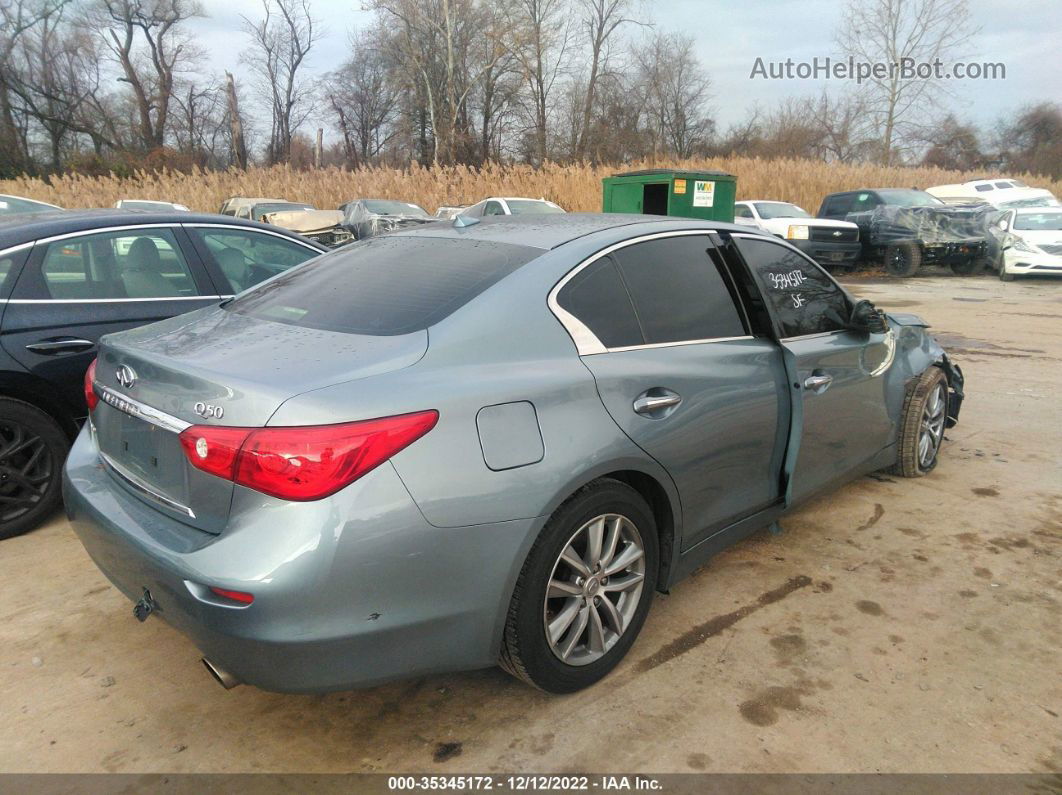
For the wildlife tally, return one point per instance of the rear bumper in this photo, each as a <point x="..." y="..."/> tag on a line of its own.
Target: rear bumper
<point x="828" y="253"/>
<point x="349" y="591"/>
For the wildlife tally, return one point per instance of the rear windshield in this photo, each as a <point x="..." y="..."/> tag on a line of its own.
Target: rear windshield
<point x="384" y="285"/>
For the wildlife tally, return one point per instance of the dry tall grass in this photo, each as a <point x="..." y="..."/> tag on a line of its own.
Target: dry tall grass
<point x="577" y="188"/>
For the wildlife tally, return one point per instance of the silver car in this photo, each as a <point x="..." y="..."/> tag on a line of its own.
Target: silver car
<point x="478" y="443"/>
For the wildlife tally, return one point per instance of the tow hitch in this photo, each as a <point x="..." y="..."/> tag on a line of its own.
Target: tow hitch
<point x="146" y="606"/>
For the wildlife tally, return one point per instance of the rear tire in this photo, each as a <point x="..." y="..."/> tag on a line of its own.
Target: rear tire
<point x="573" y="592"/>
<point x="903" y="259"/>
<point x="32" y="450"/>
<point x="925" y="413"/>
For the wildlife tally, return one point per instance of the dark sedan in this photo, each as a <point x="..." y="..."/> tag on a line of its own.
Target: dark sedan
<point x="68" y="278"/>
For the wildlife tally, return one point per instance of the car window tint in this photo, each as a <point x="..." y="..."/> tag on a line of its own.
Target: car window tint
<point x="384" y="285"/>
<point x="246" y="257"/>
<point x="142" y="263"/>
<point x="9" y="269"/>
<point x="741" y="211"/>
<point x="804" y="299"/>
<point x="493" y="208"/>
<point x="597" y="297"/>
<point x="677" y="290"/>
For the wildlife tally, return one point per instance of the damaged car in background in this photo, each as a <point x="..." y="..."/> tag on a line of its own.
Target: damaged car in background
<point x="1027" y="242"/>
<point x="321" y="226"/>
<point x="371" y="217"/>
<point x="511" y="433"/>
<point x="906" y="228"/>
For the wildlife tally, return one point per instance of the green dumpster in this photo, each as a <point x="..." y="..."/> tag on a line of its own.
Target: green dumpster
<point x="708" y="195"/>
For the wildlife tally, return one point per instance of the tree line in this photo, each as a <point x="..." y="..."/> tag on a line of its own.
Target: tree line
<point x="113" y="85"/>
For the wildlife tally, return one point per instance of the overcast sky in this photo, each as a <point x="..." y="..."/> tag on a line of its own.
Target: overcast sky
<point x="730" y="34"/>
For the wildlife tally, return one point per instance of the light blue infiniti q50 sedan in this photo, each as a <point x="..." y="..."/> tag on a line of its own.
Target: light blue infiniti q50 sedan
<point x="458" y="446"/>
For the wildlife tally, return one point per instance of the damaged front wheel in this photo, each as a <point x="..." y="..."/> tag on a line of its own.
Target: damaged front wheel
<point x="925" y="415"/>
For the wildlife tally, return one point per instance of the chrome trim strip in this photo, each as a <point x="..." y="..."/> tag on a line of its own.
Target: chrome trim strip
<point x="586" y="342"/>
<point x="13" y="249"/>
<point x="815" y="334"/>
<point x="110" y="300"/>
<point x="103" y="230"/>
<point x="142" y="488"/>
<point x="135" y="408"/>
<point x="706" y="341"/>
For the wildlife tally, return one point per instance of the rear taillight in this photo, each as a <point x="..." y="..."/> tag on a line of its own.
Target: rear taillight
<point x="304" y="462"/>
<point x="214" y="449"/>
<point x="91" y="398"/>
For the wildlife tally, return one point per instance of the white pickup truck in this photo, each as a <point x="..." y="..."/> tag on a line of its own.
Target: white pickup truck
<point x="828" y="242"/>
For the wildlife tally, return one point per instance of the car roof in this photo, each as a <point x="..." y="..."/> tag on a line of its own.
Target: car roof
<point x="25" y="199"/>
<point x="549" y="231"/>
<point x="516" y="199"/>
<point x="18" y="229"/>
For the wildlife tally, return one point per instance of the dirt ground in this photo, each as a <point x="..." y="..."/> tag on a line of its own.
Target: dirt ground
<point x="895" y="625"/>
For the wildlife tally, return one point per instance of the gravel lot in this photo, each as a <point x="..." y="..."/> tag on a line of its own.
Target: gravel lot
<point x="894" y="626"/>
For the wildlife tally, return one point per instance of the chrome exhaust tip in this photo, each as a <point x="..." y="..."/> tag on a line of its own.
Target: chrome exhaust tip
<point x="221" y="676"/>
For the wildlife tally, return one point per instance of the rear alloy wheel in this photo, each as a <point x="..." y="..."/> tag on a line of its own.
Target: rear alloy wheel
<point x="925" y="414"/>
<point x="584" y="591"/>
<point x="903" y="259"/>
<point x="32" y="450"/>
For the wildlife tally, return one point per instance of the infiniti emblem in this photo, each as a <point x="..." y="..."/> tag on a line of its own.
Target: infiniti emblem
<point x="125" y="375"/>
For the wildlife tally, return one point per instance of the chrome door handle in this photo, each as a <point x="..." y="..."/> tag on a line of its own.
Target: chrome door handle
<point x="647" y="404"/>
<point x="60" y="346"/>
<point x="818" y="381"/>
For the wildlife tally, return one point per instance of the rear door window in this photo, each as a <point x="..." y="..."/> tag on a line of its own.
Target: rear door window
<point x="804" y="299"/>
<point x="141" y="263"/>
<point x="384" y="286"/>
<point x="678" y="293"/>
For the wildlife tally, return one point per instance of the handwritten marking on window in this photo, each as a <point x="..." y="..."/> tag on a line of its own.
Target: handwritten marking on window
<point x="784" y="281"/>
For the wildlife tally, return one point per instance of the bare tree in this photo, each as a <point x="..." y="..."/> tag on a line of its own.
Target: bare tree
<point x="1033" y="141"/>
<point x="897" y="32"/>
<point x="601" y="20"/>
<point x="543" y="32"/>
<point x="17" y="19"/>
<point x="364" y="97"/>
<point x="281" y="41"/>
<point x="435" y="39"/>
<point x="675" y="92"/>
<point x="148" y="40"/>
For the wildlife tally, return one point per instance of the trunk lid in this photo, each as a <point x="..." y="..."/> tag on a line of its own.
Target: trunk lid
<point x="215" y="367"/>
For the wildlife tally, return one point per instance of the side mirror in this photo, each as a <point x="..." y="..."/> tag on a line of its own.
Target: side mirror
<point x="867" y="318"/>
